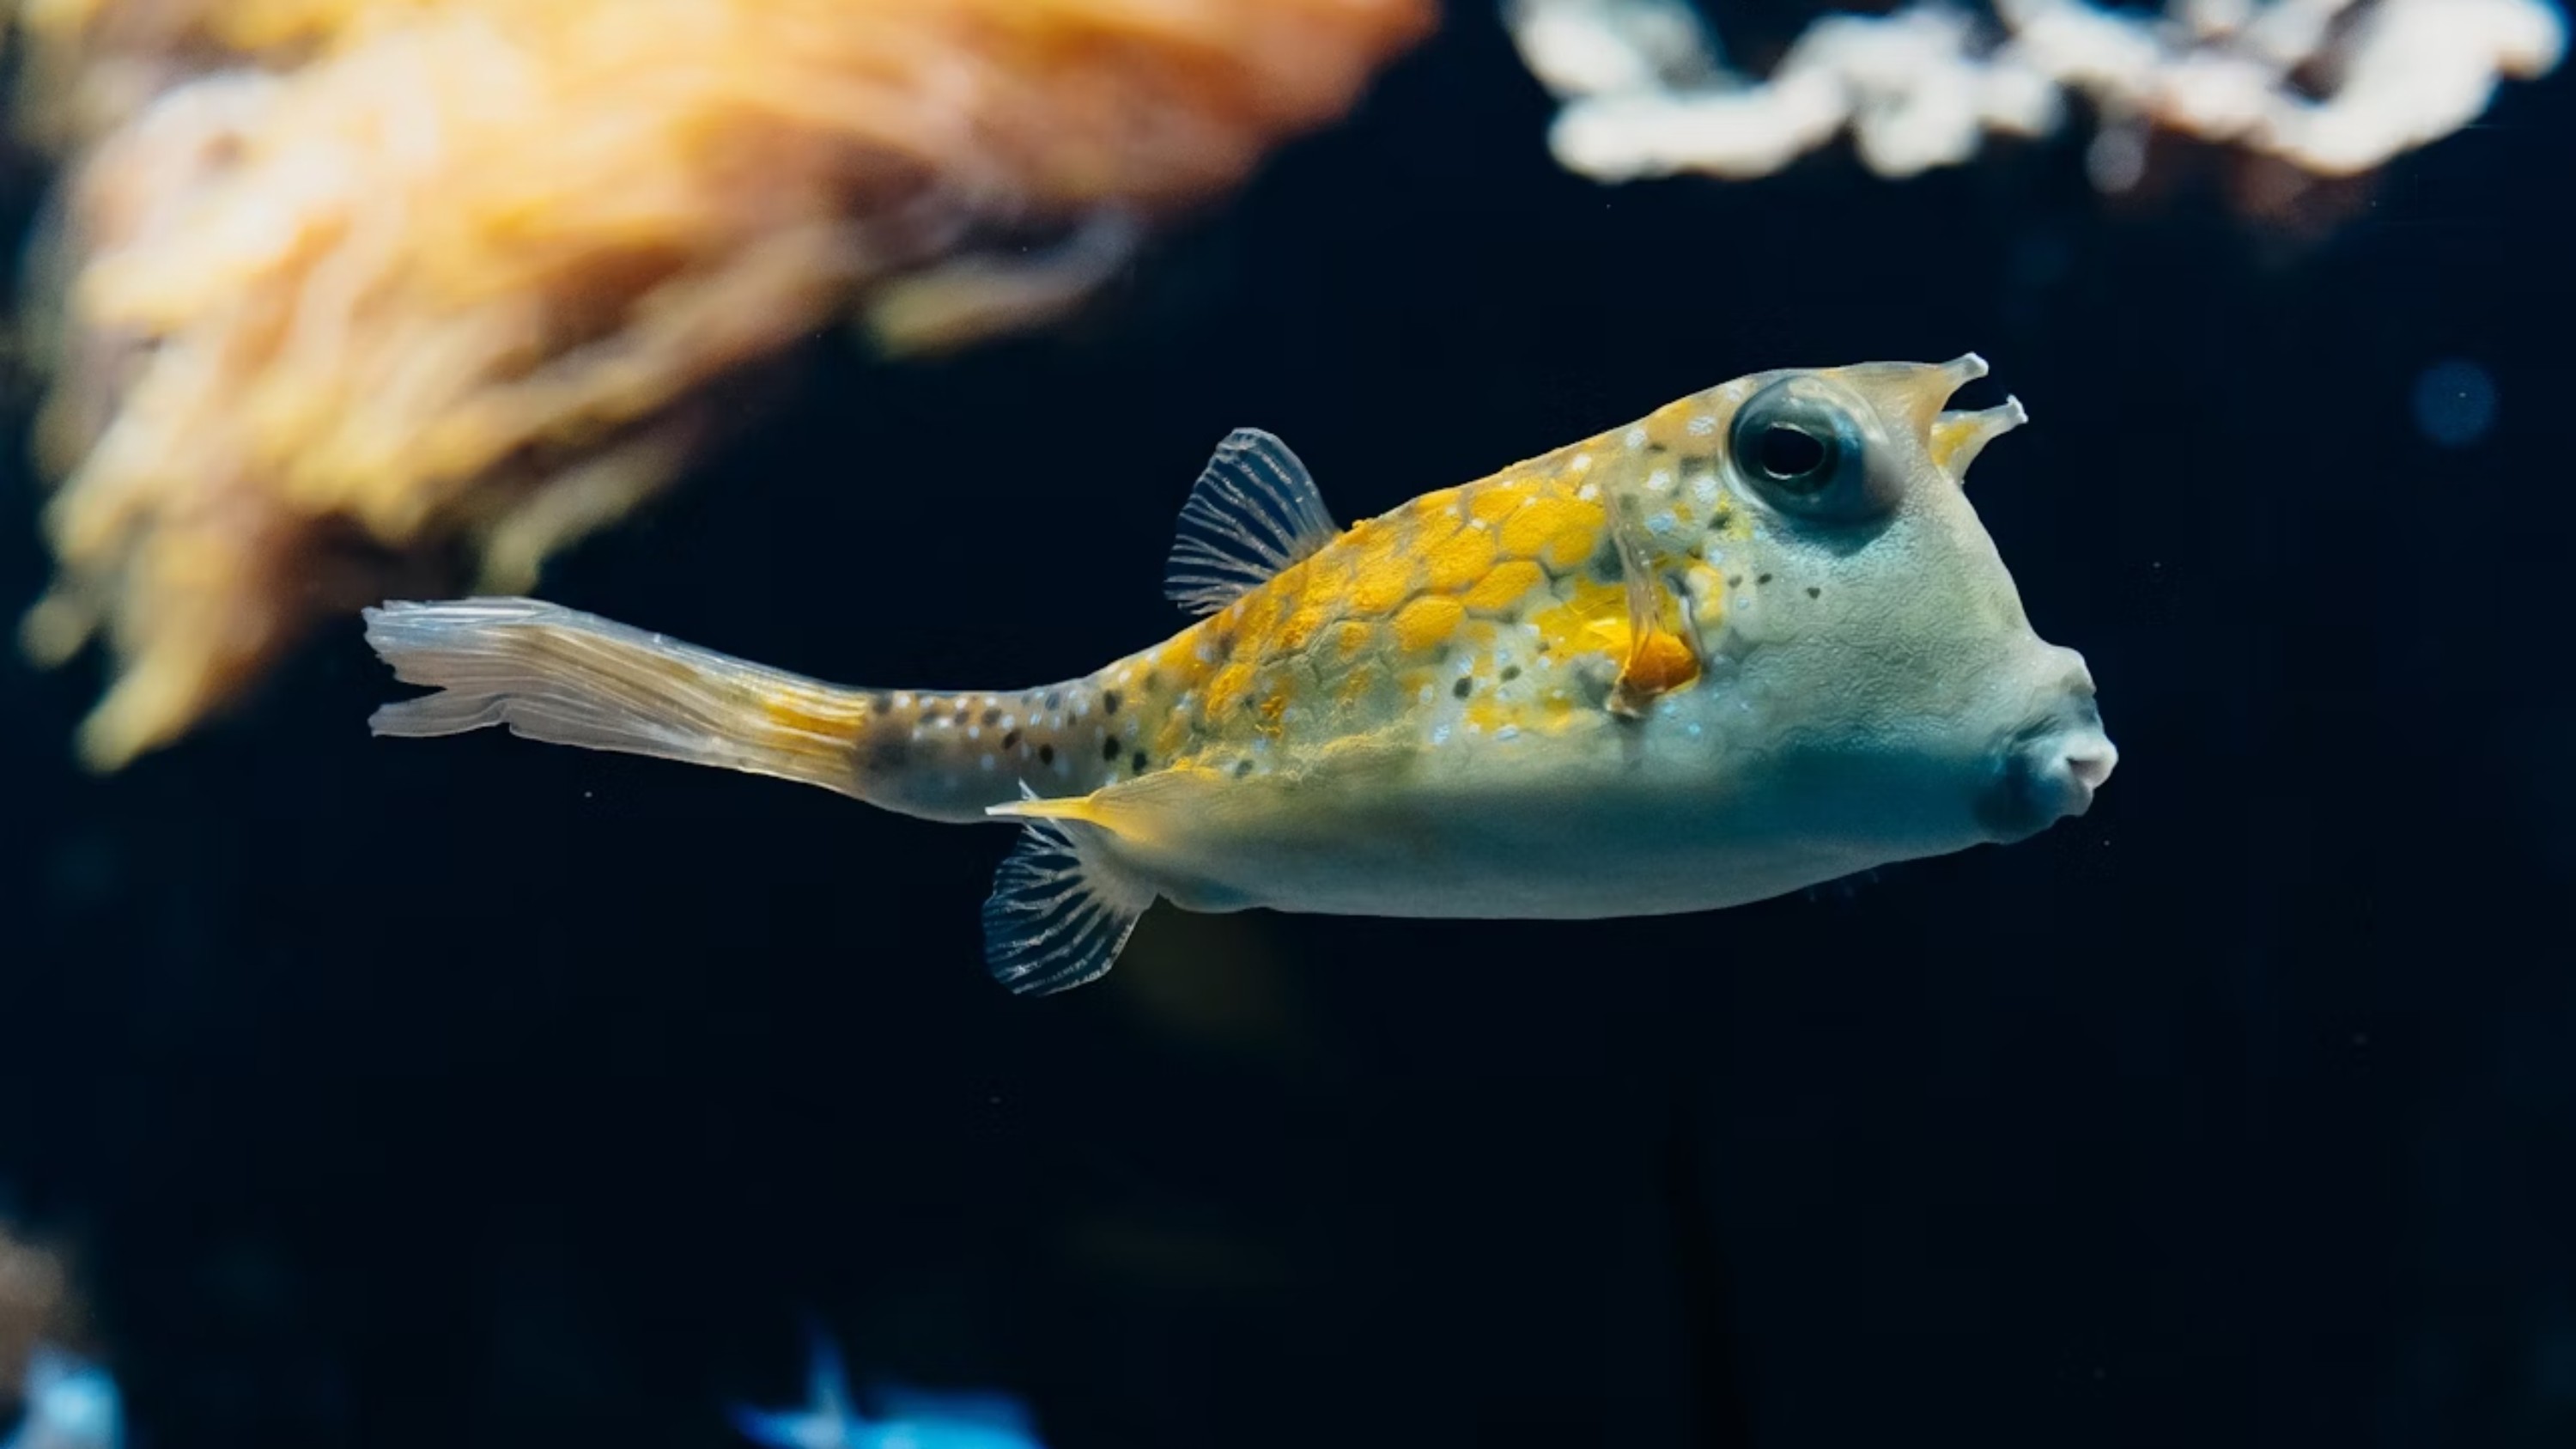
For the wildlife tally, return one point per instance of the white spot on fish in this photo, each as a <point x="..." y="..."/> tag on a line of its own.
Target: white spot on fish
<point x="1704" y="488"/>
<point x="1440" y="734"/>
<point x="1582" y="463"/>
<point x="1663" y="522"/>
<point x="1426" y="694"/>
<point x="1660" y="481"/>
<point x="974" y="732"/>
<point x="1702" y="425"/>
<point x="903" y="701"/>
<point x="987" y="763"/>
<point x="1010" y="721"/>
<point x="1508" y="732"/>
<point x="1636" y="438"/>
<point x="1588" y="492"/>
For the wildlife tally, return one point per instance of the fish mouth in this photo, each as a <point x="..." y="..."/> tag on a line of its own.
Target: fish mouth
<point x="2049" y="776"/>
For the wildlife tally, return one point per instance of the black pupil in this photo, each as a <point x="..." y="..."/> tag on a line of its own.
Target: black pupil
<point x="1788" y="454"/>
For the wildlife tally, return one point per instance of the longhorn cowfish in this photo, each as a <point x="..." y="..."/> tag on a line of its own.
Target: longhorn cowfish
<point x="1755" y="641"/>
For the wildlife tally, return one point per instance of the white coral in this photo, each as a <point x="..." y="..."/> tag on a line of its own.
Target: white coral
<point x="1646" y="91"/>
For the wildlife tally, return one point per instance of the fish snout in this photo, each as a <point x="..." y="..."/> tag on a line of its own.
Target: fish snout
<point x="2076" y="766"/>
<point x="2052" y="767"/>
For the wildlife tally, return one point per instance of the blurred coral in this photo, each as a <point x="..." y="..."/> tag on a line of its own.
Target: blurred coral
<point x="351" y="286"/>
<point x="1647" y="92"/>
<point x="32" y="1300"/>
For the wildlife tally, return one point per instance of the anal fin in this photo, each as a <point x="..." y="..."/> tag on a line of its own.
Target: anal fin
<point x="1060" y="910"/>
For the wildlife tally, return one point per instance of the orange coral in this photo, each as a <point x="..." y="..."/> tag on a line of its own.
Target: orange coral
<point x="403" y="275"/>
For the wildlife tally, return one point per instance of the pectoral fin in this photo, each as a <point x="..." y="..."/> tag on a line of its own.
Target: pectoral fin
<point x="1659" y="659"/>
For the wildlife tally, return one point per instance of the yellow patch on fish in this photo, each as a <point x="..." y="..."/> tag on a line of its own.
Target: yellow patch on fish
<point x="1428" y="622"/>
<point x="1557" y="531"/>
<point x="1460" y="560"/>
<point x="1503" y="587"/>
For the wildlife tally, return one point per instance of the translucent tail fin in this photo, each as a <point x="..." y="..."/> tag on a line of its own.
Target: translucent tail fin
<point x="569" y="678"/>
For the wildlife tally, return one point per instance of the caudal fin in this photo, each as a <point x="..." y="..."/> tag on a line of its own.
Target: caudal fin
<point x="570" y="678"/>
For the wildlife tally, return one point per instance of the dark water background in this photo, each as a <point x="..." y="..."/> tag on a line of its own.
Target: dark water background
<point x="476" y="1093"/>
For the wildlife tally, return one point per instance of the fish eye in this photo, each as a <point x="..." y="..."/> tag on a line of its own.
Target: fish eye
<point x="1793" y="458"/>
<point x="1801" y="445"/>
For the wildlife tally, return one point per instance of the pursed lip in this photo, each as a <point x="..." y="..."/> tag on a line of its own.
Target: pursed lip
<point x="2050" y="774"/>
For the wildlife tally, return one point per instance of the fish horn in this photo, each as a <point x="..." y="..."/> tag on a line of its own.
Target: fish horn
<point x="1958" y="437"/>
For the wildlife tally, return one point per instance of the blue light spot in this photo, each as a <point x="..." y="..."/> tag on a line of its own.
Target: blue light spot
<point x="2455" y="404"/>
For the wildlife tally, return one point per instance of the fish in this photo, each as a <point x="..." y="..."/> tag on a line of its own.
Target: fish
<point x="1754" y="641"/>
<point x="907" y="1418"/>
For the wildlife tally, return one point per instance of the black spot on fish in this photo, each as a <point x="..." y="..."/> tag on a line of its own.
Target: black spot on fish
<point x="1055" y="699"/>
<point x="887" y="754"/>
<point x="1440" y="654"/>
<point x="1046" y="754"/>
<point x="1138" y="763"/>
<point x="1109" y="749"/>
<point x="1153" y="680"/>
<point x="1011" y="741"/>
<point x="1735" y="581"/>
<point x="1464" y="687"/>
<point x="1606" y="564"/>
<point x="1721" y="519"/>
<point x="1511" y="672"/>
<point x="1109" y="701"/>
<point x="993" y="715"/>
<point x="1763" y="579"/>
<point x="1242" y="768"/>
<point x="1814" y="593"/>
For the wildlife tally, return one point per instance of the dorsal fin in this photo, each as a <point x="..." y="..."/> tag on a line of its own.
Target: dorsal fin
<point x="1254" y="512"/>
